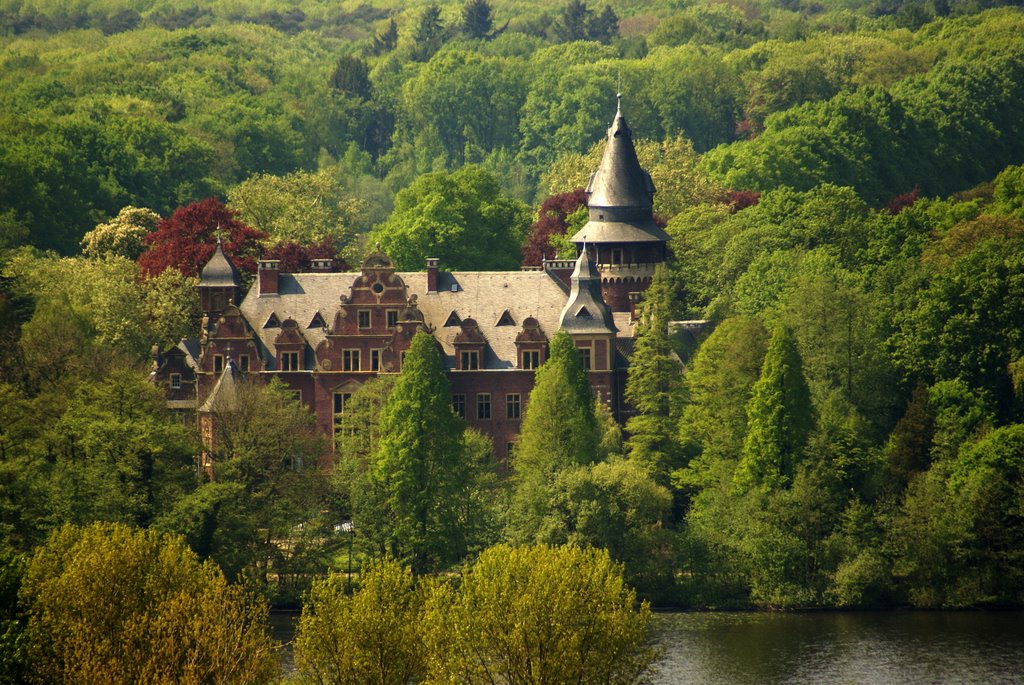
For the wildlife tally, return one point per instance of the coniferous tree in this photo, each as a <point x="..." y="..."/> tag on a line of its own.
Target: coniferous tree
<point x="780" y="417"/>
<point x="419" y="471"/>
<point x="574" y="24"/>
<point x="655" y="376"/>
<point x="351" y="76"/>
<point x="560" y="430"/>
<point x="477" y="19"/>
<point x="605" y="26"/>
<point x="386" y="41"/>
<point x="429" y="34"/>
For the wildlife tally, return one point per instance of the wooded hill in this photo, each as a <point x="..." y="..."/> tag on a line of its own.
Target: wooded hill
<point x="841" y="184"/>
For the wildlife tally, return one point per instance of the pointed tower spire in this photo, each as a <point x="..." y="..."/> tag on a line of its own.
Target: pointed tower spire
<point x="585" y="311"/>
<point x="621" y="228"/>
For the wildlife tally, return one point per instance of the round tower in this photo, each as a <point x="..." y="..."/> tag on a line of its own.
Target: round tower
<point x="625" y="242"/>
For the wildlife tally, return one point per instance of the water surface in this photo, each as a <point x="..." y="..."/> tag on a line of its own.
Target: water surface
<point x="847" y="648"/>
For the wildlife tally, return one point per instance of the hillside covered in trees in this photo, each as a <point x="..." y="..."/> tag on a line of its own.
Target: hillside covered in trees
<point x="842" y="184"/>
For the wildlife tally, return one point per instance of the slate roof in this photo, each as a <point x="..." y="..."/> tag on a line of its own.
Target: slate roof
<point x="224" y="395"/>
<point x="481" y="295"/>
<point x="585" y="311"/>
<point x="219" y="271"/>
<point x="620" y="194"/>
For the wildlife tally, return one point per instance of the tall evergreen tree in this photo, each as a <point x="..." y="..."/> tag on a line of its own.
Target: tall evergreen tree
<point x="387" y="40"/>
<point x="655" y="377"/>
<point x="574" y="24"/>
<point x="779" y="415"/>
<point x="477" y="19"/>
<point x="351" y="76"/>
<point x="560" y="430"/>
<point x="429" y="34"/>
<point x="605" y="26"/>
<point x="419" y="469"/>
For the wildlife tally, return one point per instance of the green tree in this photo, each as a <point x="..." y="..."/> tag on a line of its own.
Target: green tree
<point x="477" y="19"/>
<point x="304" y="207"/>
<point x="617" y="506"/>
<point x="159" y="615"/>
<point x="371" y="636"/>
<point x="13" y="641"/>
<point x="718" y="386"/>
<point x="123" y="457"/>
<point x="429" y="34"/>
<point x="574" y="22"/>
<point x="653" y="385"/>
<point x="537" y="614"/>
<point x="461" y="218"/>
<point x="352" y="77"/>
<point x="123" y="235"/>
<point x="780" y="418"/>
<point x="559" y="431"/>
<point x="263" y="511"/>
<point x="418" y="469"/>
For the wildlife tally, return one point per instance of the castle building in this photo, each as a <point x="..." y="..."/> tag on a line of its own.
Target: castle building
<point x="324" y="334"/>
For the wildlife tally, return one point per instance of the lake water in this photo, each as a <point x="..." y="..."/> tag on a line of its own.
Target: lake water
<point x="825" y="648"/>
<point x="847" y="648"/>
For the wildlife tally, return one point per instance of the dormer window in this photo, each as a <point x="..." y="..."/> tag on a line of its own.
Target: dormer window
<point x="364" y="318"/>
<point x="290" y="361"/>
<point x="506" y="319"/>
<point x="175" y="381"/>
<point x="218" y="363"/>
<point x="529" y="359"/>
<point x="452" y="320"/>
<point x="272" y="321"/>
<point x="470" y="360"/>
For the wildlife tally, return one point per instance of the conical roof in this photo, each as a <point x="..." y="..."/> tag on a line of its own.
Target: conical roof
<point x="619" y="181"/>
<point x="219" y="271"/>
<point x="620" y="195"/>
<point x="586" y="311"/>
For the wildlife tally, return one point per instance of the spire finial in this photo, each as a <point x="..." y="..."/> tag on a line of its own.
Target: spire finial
<point x="217" y="232"/>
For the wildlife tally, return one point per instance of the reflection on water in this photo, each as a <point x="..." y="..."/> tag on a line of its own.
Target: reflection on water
<point x="820" y="648"/>
<point x="840" y="648"/>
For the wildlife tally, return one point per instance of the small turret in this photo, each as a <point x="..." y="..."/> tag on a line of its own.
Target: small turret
<point x="219" y="283"/>
<point x="586" y="312"/>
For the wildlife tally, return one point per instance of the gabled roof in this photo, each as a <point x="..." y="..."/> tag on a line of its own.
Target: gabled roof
<point x="484" y="294"/>
<point x="224" y="396"/>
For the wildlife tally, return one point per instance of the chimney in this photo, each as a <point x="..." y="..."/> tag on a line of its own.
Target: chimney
<point x="432" y="274"/>
<point x="269" y="270"/>
<point x="321" y="266"/>
<point x="634" y="299"/>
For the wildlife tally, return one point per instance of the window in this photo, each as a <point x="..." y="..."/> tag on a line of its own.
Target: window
<point x="364" y="318"/>
<point x="350" y="360"/>
<point x="392" y="318"/>
<point x="374" y="360"/>
<point x="243" y="362"/>
<point x="341" y="400"/>
<point x="483" y="405"/>
<point x="531" y="359"/>
<point x="585" y="357"/>
<point x="289" y="361"/>
<point x="616" y="256"/>
<point x="510" y="448"/>
<point x="175" y="381"/>
<point x="459" y="405"/>
<point x="470" y="361"/>
<point x="218" y="363"/>
<point x="513" y="406"/>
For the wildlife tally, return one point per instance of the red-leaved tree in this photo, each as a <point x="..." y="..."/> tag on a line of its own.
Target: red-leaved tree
<point x="551" y="220"/>
<point x="187" y="239"/>
<point x="741" y="199"/>
<point x="901" y="202"/>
